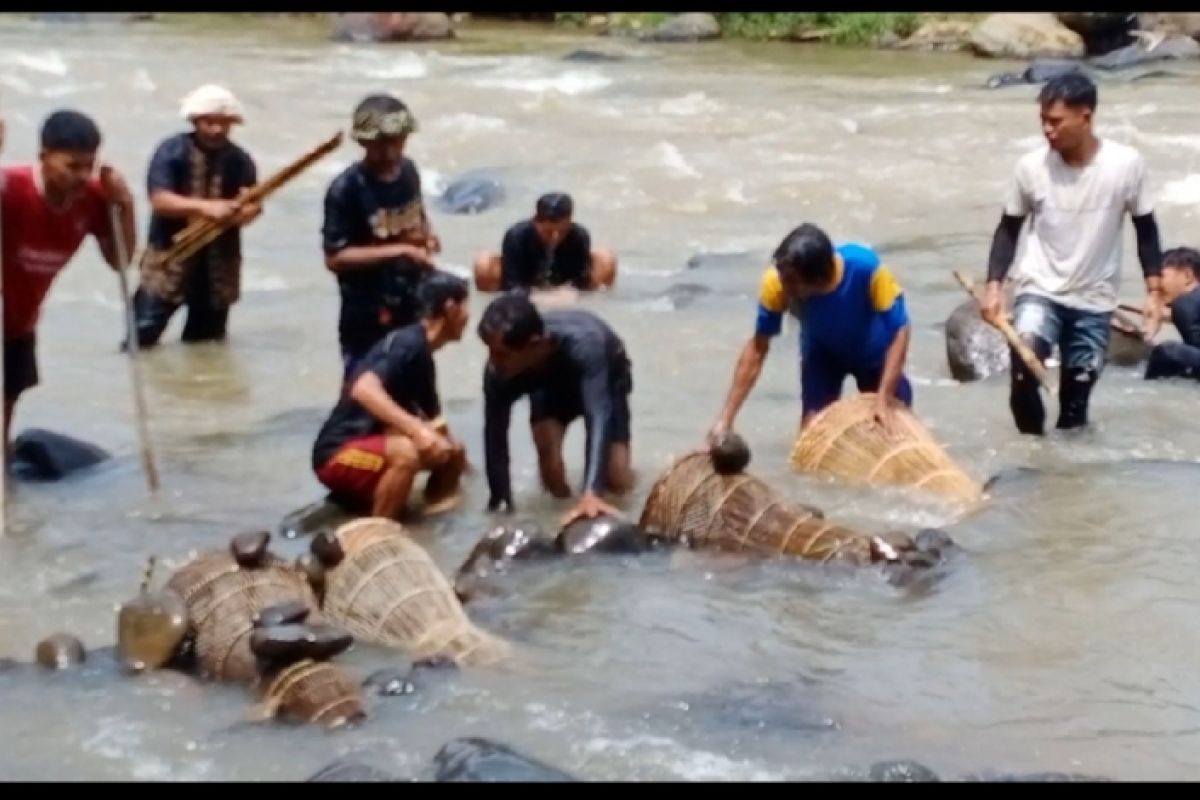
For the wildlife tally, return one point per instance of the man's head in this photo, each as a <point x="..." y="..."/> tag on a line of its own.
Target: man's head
<point x="443" y="298"/>
<point x="1180" y="271"/>
<point x="212" y="110"/>
<point x="552" y="216"/>
<point x="382" y="125"/>
<point x="806" y="262"/>
<point x="1068" y="103"/>
<point x="514" y="333"/>
<point x="69" y="142"/>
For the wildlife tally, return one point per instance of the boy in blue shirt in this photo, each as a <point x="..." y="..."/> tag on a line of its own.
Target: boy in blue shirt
<point x="853" y="322"/>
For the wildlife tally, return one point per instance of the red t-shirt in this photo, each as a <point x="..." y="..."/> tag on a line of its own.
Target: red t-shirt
<point x="39" y="241"/>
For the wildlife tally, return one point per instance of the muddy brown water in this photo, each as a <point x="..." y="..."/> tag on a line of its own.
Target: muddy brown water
<point x="1061" y="642"/>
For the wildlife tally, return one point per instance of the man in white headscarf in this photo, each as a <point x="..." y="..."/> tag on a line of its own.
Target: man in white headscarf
<point x="198" y="174"/>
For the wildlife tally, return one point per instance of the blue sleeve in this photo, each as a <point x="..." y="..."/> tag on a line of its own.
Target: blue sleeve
<point x="896" y="317"/>
<point x="768" y="323"/>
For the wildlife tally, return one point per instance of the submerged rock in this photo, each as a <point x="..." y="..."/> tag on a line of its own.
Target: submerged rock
<point x="477" y="760"/>
<point x="343" y="771"/>
<point x="472" y="193"/>
<point x="42" y="455"/>
<point x="902" y="772"/>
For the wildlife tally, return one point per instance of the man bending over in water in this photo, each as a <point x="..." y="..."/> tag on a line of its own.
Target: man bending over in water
<point x="387" y="426"/>
<point x="1180" y="269"/>
<point x="570" y="363"/>
<point x="853" y="321"/>
<point x="546" y="252"/>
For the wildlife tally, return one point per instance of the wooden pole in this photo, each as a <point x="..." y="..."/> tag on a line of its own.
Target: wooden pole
<point x="132" y="346"/>
<point x="1002" y="324"/>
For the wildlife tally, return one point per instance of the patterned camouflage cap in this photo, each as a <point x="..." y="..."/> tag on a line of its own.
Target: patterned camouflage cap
<point x="381" y="116"/>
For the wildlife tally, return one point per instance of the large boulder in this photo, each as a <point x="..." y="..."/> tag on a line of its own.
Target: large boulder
<point x="1169" y="47"/>
<point x="939" y="34"/>
<point x="1187" y="24"/>
<point x="392" y="27"/>
<point x="1024" y="36"/>
<point x="1102" y="32"/>
<point x="692" y="27"/>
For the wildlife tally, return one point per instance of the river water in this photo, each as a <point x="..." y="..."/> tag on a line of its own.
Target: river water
<point x="1061" y="641"/>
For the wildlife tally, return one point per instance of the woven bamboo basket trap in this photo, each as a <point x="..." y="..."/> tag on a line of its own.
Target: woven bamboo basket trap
<point x="222" y="599"/>
<point x="387" y="590"/>
<point x="316" y="692"/>
<point x="692" y="504"/>
<point x="845" y="441"/>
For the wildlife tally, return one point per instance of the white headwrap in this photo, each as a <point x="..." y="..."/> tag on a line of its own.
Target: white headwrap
<point x="211" y="99"/>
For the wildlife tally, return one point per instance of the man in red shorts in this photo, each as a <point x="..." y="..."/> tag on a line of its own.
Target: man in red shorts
<point x="46" y="211"/>
<point x="388" y="425"/>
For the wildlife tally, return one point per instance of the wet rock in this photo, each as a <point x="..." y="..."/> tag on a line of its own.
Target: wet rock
<point x="392" y="27"/>
<point x="390" y="682"/>
<point x="472" y="193"/>
<point x="772" y="707"/>
<point x="902" y="772"/>
<point x="939" y="34"/>
<point x="603" y="534"/>
<point x="343" y="771"/>
<point x="682" y="295"/>
<point x="720" y="260"/>
<point x="1103" y="31"/>
<point x="60" y="651"/>
<point x="586" y="56"/>
<point x="974" y="349"/>
<point x="476" y="760"/>
<point x="1025" y="35"/>
<point x="497" y="549"/>
<point x="1186" y="24"/>
<point x="692" y="27"/>
<point x="312" y="519"/>
<point x="730" y="455"/>
<point x="1034" y="777"/>
<point x="42" y="455"/>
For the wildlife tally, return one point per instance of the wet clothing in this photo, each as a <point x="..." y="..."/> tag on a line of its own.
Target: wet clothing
<point x="1073" y="255"/>
<point x="210" y="281"/>
<point x="1082" y="338"/>
<point x="20" y="365"/>
<point x="844" y="332"/>
<point x="404" y="363"/>
<point x="353" y="472"/>
<point x="38" y="242"/>
<point x="1179" y="359"/>
<point x="360" y="211"/>
<point x="526" y="263"/>
<point x="588" y="374"/>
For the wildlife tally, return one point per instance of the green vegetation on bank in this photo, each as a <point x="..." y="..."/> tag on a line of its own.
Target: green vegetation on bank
<point x="843" y="28"/>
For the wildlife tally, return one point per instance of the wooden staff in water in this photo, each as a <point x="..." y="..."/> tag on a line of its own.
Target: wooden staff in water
<point x="1022" y="350"/>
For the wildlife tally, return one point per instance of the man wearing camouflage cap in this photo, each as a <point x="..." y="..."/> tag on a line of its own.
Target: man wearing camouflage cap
<point x="376" y="235"/>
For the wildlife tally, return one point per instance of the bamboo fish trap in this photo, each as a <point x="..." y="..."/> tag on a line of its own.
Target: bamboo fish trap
<point x="222" y="599"/>
<point x="692" y="504"/>
<point x="845" y="441"/>
<point x="388" y="591"/>
<point x="314" y="692"/>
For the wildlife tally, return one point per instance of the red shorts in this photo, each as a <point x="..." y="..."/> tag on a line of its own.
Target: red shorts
<point x="354" y="470"/>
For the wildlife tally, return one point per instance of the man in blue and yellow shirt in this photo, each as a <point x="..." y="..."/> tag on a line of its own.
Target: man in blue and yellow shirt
<point x="853" y="323"/>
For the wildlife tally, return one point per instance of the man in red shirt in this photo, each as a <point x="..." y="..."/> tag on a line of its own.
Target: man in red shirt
<point x="46" y="211"/>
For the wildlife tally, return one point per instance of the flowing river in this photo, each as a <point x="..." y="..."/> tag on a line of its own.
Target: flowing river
<point x="1060" y="641"/>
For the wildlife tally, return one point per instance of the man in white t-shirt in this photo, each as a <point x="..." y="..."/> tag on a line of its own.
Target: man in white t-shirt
<point x="1076" y="190"/>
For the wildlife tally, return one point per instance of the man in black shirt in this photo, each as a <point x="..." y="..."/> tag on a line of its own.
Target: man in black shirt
<point x="570" y="363"/>
<point x="376" y="236"/>
<point x="198" y="173"/>
<point x="547" y="251"/>
<point x="388" y="425"/>
<point x="1180" y="270"/>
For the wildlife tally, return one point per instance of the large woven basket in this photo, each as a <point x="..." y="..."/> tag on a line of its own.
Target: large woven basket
<point x="222" y="599"/>
<point x="845" y="441"/>
<point x="691" y="503"/>
<point x="388" y="591"/>
<point x="316" y="692"/>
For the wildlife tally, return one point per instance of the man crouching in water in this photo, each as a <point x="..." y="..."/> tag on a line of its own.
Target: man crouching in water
<point x="570" y="363"/>
<point x="387" y="426"/>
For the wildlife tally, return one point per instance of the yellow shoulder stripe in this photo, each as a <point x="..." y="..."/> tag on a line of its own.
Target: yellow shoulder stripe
<point x="884" y="289"/>
<point x="770" y="292"/>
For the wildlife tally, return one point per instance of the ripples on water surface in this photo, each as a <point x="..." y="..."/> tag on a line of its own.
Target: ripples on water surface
<point x="1062" y="641"/>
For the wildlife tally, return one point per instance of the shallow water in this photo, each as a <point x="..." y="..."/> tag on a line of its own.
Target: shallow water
<point x="1059" y="642"/>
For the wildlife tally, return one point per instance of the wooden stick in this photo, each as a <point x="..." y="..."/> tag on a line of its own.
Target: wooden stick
<point x="197" y="235"/>
<point x="1002" y="324"/>
<point x="132" y="345"/>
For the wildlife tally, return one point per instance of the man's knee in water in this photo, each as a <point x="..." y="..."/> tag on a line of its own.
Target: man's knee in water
<point x="604" y="268"/>
<point x="487" y="271"/>
<point x="1074" y="395"/>
<point x="1025" y="402"/>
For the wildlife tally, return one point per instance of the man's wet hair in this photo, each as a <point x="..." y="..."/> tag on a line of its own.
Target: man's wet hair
<point x="67" y="129"/>
<point x="1187" y="258"/>
<point x="514" y="317"/>
<point x="1073" y="89"/>
<point x="554" y="206"/>
<point x="438" y="288"/>
<point x="808" y="252"/>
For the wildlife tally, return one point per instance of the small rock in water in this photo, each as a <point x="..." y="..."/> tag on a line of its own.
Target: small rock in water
<point x="60" y="651"/>
<point x="902" y="772"/>
<point x="390" y="683"/>
<point x="476" y="760"/>
<point x="250" y="549"/>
